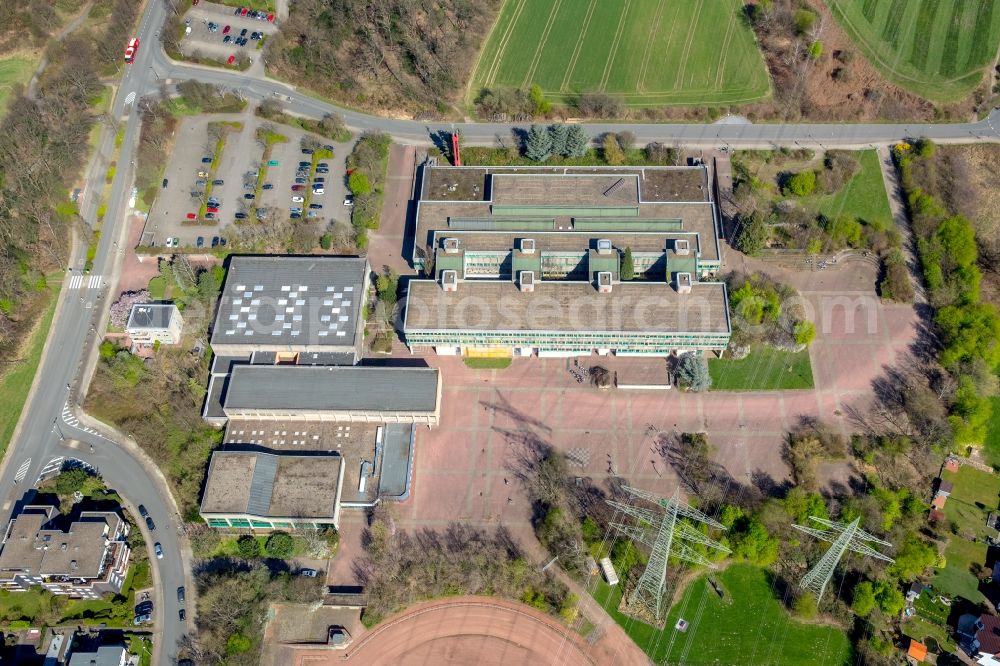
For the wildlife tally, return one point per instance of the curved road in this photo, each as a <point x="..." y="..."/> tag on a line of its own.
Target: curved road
<point x="42" y="432"/>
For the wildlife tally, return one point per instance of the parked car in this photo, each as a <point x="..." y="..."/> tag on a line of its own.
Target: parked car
<point x="243" y="32"/>
<point x="328" y="147"/>
<point x="210" y="216"/>
<point x="267" y="186"/>
<point x="300" y="181"/>
<point x="315" y="206"/>
<point x="261" y="212"/>
<point x="307" y="151"/>
<point x="296" y="216"/>
<point x="249" y="196"/>
<point x="273" y="163"/>
<point x="298" y="188"/>
<point x="203" y="174"/>
<point x="312" y="213"/>
<point x="228" y="39"/>
<point x="169" y="243"/>
<point x="270" y="18"/>
<point x="305" y="164"/>
<point x="213" y="27"/>
<point x="215" y="239"/>
<point x="200" y="242"/>
<point x="199" y="183"/>
<point x="181" y="614"/>
<point x="297" y="199"/>
<point x="180" y="594"/>
<point x="230" y="60"/>
<point x="222" y="241"/>
<point x="239" y="216"/>
<point x="349" y="200"/>
<point x="139" y="619"/>
<point x="213" y="201"/>
<point x="144" y="608"/>
<point x="319" y="179"/>
<point x="142" y="511"/>
<point x="323" y="165"/>
<point x="206" y="160"/>
<point x="319" y="190"/>
<point x="225" y="31"/>
<point x="165" y="181"/>
<point x="190" y="216"/>
<point x="158" y="549"/>
<point x="308" y="573"/>
<point x="239" y="11"/>
<point x="149" y="520"/>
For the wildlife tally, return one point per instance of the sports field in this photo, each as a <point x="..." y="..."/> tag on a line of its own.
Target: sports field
<point x="937" y="49"/>
<point x="649" y="52"/>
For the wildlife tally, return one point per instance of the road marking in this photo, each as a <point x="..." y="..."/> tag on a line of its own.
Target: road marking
<point x="51" y="466"/>
<point x="95" y="282"/>
<point x="130" y="98"/>
<point x="71" y="420"/>
<point x="22" y="471"/>
<point x="75" y="281"/>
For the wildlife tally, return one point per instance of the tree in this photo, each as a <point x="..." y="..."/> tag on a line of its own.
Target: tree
<point x="863" y="599"/>
<point x="248" y="547"/>
<point x="753" y="543"/>
<point x="541" y="105"/>
<point x="628" y="265"/>
<point x="752" y="233"/>
<point x="626" y="140"/>
<point x="804" y="332"/>
<point x="816" y="50"/>
<point x="805" y="606"/>
<point x="804" y="21"/>
<point x="71" y="481"/>
<point x="279" y="545"/>
<point x="538" y="147"/>
<point x="913" y="558"/>
<point x="559" y="133"/>
<point x="800" y="184"/>
<point x="890" y="598"/>
<point x="358" y="182"/>
<point x="332" y="125"/>
<point x="692" y="373"/>
<point x="577" y="141"/>
<point x="613" y="154"/>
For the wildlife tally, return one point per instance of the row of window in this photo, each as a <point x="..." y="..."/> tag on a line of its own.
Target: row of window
<point x="264" y="524"/>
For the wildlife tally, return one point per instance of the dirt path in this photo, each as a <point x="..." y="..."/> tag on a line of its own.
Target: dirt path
<point x="894" y="189"/>
<point x="59" y="36"/>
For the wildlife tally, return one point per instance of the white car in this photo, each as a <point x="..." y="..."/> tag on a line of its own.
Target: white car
<point x="297" y="199"/>
<point x="170" y="242"/>
<point x="349" y="200"/>
<point x="318" y="190"/>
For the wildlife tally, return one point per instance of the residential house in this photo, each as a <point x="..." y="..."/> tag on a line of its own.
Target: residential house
<point x="914" y="591"/>
<point x="149" y="323"/>
<point x="105" y="655"/>
<point x="916" y="652"/>
<point x="86" y="559"/>
<point x="979" y="637"/>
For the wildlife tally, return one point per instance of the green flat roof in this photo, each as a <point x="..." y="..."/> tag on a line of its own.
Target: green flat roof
<point x="681" y="264"/>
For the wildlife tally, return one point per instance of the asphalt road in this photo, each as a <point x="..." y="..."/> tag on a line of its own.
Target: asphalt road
<point x="44" y="434"/>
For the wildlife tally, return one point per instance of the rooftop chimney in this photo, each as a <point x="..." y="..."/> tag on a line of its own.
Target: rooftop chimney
<point x="527" y="281"/>
<point x="450" y="245"/>
<point x="603" y="246"/>
<point x="682" y="247"/>
<point x="604" y="282"/>
<point x="527" y="245"/>
<point x="683" y="283"/>
<point x="449" y="280"/>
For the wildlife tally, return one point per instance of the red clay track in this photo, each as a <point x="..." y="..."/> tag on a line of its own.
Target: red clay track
<point x="471" y="630"/>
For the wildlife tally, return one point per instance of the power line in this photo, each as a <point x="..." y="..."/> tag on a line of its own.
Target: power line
<point x="667" y="537"/>
<point x="844" y="538"/>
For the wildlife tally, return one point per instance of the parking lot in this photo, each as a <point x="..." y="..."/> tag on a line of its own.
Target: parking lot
<point x="184" y="210"/>
<point x="202" y="41"/>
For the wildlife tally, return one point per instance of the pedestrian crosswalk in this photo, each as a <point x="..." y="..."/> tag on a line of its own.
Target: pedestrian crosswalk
<point x="51" y="467"/>
<point x="79" y="281"/>
<point x="22" y="471"/>
<point x="71" y="420"/>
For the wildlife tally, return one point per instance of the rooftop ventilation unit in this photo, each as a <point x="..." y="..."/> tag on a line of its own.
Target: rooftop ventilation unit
<point x="682" y="247"/>
<point x="527" y="245"/>
<point x="683" y="283"/>
<point x="526" y="279"/>
<point x="604" y="246"/>
<point x="450" y="245"/>
<point x="449" y="280"/>
<point x="604" y="282"/>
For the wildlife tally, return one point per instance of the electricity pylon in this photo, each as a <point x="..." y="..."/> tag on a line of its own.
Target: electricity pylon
<point x="667" y="538"/>
<point x="844" y="538"/>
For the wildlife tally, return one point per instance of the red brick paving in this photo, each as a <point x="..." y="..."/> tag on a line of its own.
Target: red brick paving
<point x="137" y="270"/>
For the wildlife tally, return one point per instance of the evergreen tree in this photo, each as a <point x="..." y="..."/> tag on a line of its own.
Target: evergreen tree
<point x="577" y="141"/>
<point x="628" y="265"/>
<point x="692" y="373"/>
<point x="613" y="154"/>
<point x="559" y="134"/>
<point x="538" y="147"/>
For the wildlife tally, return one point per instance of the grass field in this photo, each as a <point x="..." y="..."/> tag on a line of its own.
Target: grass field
<point x="16" y="383"/>
<point x="973" y="489"/>
<point x="863" y="196"/>
<point x="15" y="69"/>
<point x="752" y="629"/>
<point x="649" y="52"/>
<point x="764" y="369"/>
<point x="991" y="447"/>
<point x="934" y="48"/>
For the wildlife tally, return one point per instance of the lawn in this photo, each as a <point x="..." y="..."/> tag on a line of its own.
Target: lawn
<point x="863" y="197"/>
<point x="991" y="447"/>
<point x="487" y="363"/>
<point x="974" y="495"/>
<point x="764" y="369"/>
<point x="649" y="52"/>
<point x="753" y="628"/>
<point x="14" y="385"/>
<point x="936" y="49"/>
<point x="13" y="70"/>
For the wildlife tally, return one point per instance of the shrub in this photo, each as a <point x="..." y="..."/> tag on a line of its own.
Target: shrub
<point x="358" y="182"/>
<point x="752" y="233"/>
<point x="805" y="606"/>
<point x="628" y="265"/>
<point x="804" y="21"/>
<point x="279" y="545"/>
<point x="71" y="481"/>
<point x="816" y="50"/>
<point x="804" y="332"/>
<point x="326" y="241"/>
<point x="248" y="547"/>
<point x="613" y="154"/>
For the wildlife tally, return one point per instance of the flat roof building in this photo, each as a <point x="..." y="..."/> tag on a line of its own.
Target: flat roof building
<point x="291" y="305"/>
<point x="85" y="559"/>
<point x="565" y="261"/>
<point x="257" y="490"/>
<point x="149" y="323"/>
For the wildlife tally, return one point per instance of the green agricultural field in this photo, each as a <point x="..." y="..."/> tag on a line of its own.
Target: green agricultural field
<point x="753" y="628"/>
<point x="13" y="70"/>
<point x="648" y="52"/>
<point x="937" y="49"/>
